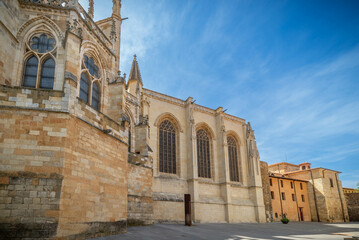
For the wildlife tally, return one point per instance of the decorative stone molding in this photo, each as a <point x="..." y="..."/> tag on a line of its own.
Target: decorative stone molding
<point x="69" y="75"/>
<point x="73" y="28"/>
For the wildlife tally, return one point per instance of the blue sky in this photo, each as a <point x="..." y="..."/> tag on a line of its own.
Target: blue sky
<point x="291" y="68"/>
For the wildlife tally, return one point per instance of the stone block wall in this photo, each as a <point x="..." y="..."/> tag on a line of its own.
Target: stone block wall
<point x="139" y="184"/>
<point x="352" y="200"/>
<point x="29" y="204"/>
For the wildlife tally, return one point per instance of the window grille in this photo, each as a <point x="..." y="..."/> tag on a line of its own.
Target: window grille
<point x="84" y="87"/>
<point x="48" y="74"/>
<point x="167" y="147"/>
<point x="233" y="159"/>
<point x="203" y="154"/>
<point x="95" y="96"/>
<point x="30" y="73"/>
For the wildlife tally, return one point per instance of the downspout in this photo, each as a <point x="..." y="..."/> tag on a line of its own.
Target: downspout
<point x="340" y="197"/>
<point x="315" y="196"/>
<point x="280" y="198"/>
<point x="296" y="200"/>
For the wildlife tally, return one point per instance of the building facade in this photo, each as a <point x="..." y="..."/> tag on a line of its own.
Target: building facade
<point x="317" y="191"/>
<point x="85" y="151"/>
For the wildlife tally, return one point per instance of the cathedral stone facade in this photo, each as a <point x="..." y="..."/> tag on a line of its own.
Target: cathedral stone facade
<point x="85" y="152"/>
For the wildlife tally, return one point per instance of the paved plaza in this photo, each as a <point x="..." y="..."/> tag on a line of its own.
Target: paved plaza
<point x="245" y="231"/>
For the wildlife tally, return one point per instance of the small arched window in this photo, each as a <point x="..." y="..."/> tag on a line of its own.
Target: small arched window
<point x="48" y="74"/>
<point x="84" y="88"/>
<point x="95" y="96"/>
<point x="30" y="73"/>
<point x="233" y="159"/>
<point x="90" y="83"/>
<point x="41" y="48"/>
<point x="203" y="154"/>
<point x="167" y="147"/>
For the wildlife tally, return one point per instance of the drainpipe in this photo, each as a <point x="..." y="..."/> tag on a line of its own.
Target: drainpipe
<point x="296" y="200"/>
<point x="280" y="198"/>
<point x="315" y="196"/>
<point x="340" y="197"/>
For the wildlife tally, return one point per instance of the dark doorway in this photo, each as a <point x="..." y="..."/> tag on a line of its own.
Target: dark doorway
<point x="301" y="214"/>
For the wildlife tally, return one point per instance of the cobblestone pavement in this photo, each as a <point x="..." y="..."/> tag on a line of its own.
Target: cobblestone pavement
<point x="245" y="231"/>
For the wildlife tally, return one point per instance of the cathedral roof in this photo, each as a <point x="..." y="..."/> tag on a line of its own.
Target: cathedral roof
<point x="135" y="71"/>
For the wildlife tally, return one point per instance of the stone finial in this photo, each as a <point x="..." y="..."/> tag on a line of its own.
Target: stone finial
<point x="135" y="71"/>
<point x="91" y="9"/>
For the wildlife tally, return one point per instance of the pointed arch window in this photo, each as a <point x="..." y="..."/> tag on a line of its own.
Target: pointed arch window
<point x="39" y="68"/>
<point x="90" y="84"/>
<point x="233" y="159"/>
<point x="203" y="154"/>
<point x="167" y="147"/>
<point x="48" y="74"/>
<point x="84" y="88"/>
<point x="30" y="74"/>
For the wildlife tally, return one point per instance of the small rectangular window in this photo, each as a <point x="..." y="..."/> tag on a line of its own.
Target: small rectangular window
<point x="293" y="197"/>
<point x="283" y="196"/>
<point x="270" y="182"/>
<point x="291" y="184"/>
<point x="301" y="186"/>
<point x="302" y="198"/>
<point x="276" y="215"/>
<point x="272" y="194"/>
<point x="281" y="183"/>
<point x="331" y="183"/>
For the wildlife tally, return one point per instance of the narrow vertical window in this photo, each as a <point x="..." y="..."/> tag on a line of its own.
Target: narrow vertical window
<point x="167" y="147"/>
<point x="301" y="186"/>
<point x="84" y="87"/>
<point x="291" y="184"/>
<point x="283" y="196"/>
<point x="203" y="154"/>
<point x="303" y="198"/>
<point x="281" y="183"/>
<point x="272" y="194"/>
<point x="233" y="159"/>
<point x="30" y="73"/>
<point x="331" y="183"/>
<point x="47" y="74"/>
<point x="95" y="96"/>
<point x="270" y="182"/>
<point x="293" y="197"/>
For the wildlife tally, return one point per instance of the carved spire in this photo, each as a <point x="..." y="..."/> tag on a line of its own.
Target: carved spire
<point x="116" y="8"/>
<point x="90" y="11"/>
<point x="135" y="71"/>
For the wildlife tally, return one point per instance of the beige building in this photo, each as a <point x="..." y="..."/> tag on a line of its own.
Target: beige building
<point x="325" y="194"/>
<point x="84" y="151"/>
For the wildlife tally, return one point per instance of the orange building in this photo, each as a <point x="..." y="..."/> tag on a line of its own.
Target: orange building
<point x="289" y="198"/>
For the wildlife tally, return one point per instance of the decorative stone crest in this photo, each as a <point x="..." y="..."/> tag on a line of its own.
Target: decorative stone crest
<point x="73" y="27"/>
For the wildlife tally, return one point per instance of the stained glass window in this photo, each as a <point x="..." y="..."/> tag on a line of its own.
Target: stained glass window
<point x="84" y="87"/>
<point x="233" y="159"/>
<point x="30" y="73"/>
<point x="167" y="147"/>
<point x="47" y="74"/>
<point x="95" y="96"/>
<point x="203" y="154"/>
<point x="91" y="66"/>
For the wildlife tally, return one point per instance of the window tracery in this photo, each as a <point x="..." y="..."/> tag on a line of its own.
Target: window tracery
<point x="90" y="82"/>
<point x="39" y="65"/>
<point x="203" y="154"/>
<point x="167" y="147"/>
<point x="233" y="159"/>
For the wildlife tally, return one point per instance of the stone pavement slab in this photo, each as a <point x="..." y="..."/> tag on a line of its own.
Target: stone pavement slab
<point x="245" y="231"/>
